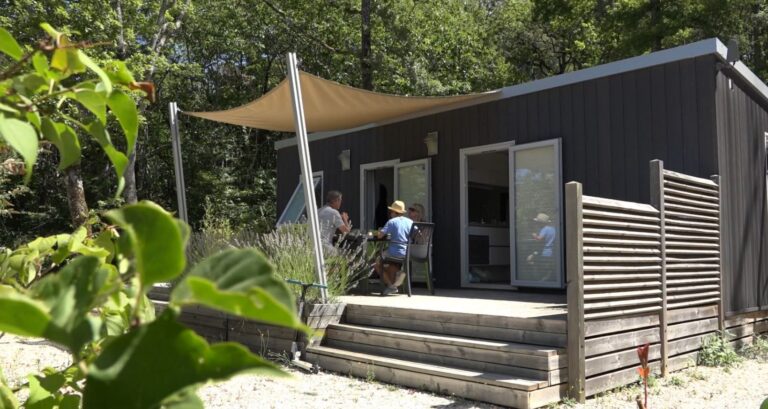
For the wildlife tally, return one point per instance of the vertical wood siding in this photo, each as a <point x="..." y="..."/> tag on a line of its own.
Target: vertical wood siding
<point x="610" y="129"/>
<point x="741" y="126"/>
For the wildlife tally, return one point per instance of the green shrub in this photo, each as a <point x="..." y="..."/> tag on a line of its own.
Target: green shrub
<point x="758" y="349"/>
<point x="716" y="350"/>
<point x="289" y="247"/>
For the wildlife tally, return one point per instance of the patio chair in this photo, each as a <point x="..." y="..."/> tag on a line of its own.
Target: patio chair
<point x="419" y="250"/>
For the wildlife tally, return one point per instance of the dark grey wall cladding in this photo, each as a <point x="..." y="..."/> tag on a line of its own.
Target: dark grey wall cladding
<point x="610" y="129"/>
<point x="741" y="126"/>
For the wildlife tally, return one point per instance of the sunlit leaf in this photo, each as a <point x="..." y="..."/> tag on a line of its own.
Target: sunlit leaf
<point x="71" y="294"/>
<point x="96" y="70"/>
<point x="172" y="356"/>
<point x="55" y="34"/>
<point x="8" y="109"/>
<point x="40" y="62"/>
<point x="67" y="60"/>
<point x="240" y="282"/>
<point x="34" y="118"/>
<point x="157" y="241"/>
<point x="96" y="102"/>
<point x="124" y="109"/>
<point x="22" y="137"/>
<point x="9" y="46"/>
<point x="118" y="72"/>
<point x="7" y="398"/>
<point x="22" y="315"/>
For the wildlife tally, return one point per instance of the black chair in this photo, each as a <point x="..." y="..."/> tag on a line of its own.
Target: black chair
<point x="420" y="250"/>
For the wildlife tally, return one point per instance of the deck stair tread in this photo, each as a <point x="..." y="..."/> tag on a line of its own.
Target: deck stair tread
<point x="502" y="346"/>
<point x="507" y="381"/>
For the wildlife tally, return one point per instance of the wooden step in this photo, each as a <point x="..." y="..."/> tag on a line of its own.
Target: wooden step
<point x="489" y="387"/>
<point x="537" y="331"/>
<point x="480" y="354"/>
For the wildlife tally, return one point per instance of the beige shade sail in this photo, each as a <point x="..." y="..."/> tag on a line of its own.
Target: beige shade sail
<point x="328" y="106"/>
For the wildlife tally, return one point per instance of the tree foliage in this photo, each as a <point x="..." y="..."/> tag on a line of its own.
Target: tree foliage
<point x="209" y="55"/>
<point x="87" y="291"/>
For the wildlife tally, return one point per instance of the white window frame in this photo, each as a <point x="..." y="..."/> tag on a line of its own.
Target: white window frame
<point x="372" y="166"/>
<point x="296" y="191"/>
<point x="511" y="147"/>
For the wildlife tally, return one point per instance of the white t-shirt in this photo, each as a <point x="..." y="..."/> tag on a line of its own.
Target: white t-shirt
<point x="330" y="220"/>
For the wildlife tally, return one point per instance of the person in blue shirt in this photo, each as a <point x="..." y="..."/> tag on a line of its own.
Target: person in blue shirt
<point x="546" y="236"/>
<point x="389" y="264"/>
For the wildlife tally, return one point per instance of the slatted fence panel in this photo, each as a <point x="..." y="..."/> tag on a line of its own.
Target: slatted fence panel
<point x="622" y="281"/>
<point x="692" y="274"/>
<point x="692" y="240"/>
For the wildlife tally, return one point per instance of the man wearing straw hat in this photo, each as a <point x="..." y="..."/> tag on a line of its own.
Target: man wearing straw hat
<point x="391" y="260"/>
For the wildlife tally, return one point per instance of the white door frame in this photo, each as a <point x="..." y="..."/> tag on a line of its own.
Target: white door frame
<point x="371" y="166"/>
<point x="428" y="167"/>
<point x="463" y="210"/>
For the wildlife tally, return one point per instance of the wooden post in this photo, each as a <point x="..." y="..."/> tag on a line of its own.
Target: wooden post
<point x="720" y="307"/>
<point x="575" y="278"/>
<point x="657" y="201"/>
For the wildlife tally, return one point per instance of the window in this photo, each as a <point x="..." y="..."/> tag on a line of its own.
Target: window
<point x="296" y="209"/>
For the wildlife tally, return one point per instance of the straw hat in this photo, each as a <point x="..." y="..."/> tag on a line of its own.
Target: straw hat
<point x="542" y="218"/>
<point x="397" y="206"/>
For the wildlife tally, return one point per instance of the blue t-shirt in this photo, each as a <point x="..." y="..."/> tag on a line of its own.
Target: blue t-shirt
<point x="547" y="235"/>
<point x="399" y="229"/>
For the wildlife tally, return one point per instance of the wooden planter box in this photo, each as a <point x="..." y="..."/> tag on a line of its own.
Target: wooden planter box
<point x="319" y="317"/>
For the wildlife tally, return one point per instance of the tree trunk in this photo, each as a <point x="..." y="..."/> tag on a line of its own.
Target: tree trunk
<point x="366" y="75"/>
<point x="129" y="193"/>
<point x="78" y="208"/>
<point x="657" y="28"/>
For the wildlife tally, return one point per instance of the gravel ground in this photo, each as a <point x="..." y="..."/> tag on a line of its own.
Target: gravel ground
<point x="743" y="387"/>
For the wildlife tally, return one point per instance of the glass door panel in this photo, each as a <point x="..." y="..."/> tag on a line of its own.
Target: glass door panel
<point x="412" y="185"/>
<point x="295" y="210"/>
<point x="537" y="216"/>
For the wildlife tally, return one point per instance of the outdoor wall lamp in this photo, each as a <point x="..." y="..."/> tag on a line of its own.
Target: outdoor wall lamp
<point x="344" y="159"/>
<point x="431" y="142"/>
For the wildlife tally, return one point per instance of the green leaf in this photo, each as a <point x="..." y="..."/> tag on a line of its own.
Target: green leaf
<point x="156" y="239"/>
<point x="186" y="399"/>
<point x="124" y="109"/>
<point x="42" y="391"/>
<point x="22" y="138"/>
<point x="171" y="356"/>
<point x="96" y="70"/>
<point x="40" y="62"/>
<point x="119" y="160"/>
<point x="67" y="60"/>
<point x="65" y="139"/>
<point x="22" y="315"/>
<point x="118" y="72"/>
<point x="34" y="118"/>
<point x="70" y="295"/>
<point x="9" y="46"/>
<point x="70" y="402"/>
<point x="95" y="102"/>
<point x="240" y="282"/>
<point x="51" y="31"/>
<point x="7" y="398"/>
<point x="10" y="110"/>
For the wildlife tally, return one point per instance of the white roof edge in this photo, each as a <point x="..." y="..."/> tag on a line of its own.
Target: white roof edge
<point x="683" y="52"/>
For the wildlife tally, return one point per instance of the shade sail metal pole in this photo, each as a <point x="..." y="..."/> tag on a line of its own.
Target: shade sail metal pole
<point x="306" y="170"/>
<point x="181" y="192"/>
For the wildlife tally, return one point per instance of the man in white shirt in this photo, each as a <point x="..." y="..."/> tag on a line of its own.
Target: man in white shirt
<point x="331" y="220"/>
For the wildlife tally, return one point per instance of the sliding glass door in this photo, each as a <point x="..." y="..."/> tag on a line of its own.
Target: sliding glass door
<point x="412" y="185"/>
<point x="511" y="215"/>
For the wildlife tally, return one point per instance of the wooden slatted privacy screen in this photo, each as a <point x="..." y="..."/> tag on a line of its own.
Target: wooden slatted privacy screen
<point x="620" y="290"/>
<point x="692" y="273"/>
<point x="640" y="275"/>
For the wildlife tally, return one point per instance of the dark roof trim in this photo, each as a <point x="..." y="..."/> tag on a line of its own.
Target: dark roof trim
<point x="684" y="52"/>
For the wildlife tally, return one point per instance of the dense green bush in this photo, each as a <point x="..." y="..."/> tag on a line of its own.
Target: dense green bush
<point x="716" y="350"/>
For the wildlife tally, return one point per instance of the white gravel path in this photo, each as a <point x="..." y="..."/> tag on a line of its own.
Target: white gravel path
<point x="743" y="387"/>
